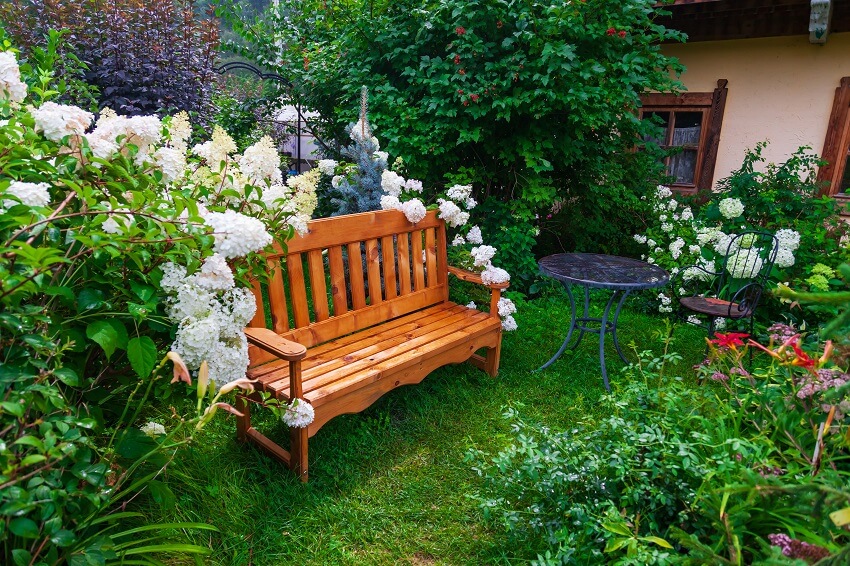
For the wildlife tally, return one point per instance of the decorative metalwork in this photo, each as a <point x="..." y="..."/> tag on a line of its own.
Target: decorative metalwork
<point x="242" y="66"/>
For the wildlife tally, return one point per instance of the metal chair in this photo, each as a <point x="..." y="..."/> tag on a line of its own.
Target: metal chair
<point x="733" y="292"/>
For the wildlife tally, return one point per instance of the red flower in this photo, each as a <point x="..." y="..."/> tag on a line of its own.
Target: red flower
<point x="462" y="71"/>
<point x="460" y="91"/>
<point x="499" y="23"/>
<point x="622" y="33"/>
<point x="473" y="97"/>
<point x="460" y="30"/>
<point x="611" y="31"/>
<point x="457" y="59"/>
<point x="466" y="103"/>
<point x="802" y="359"/>
<point x="730" y="339"/>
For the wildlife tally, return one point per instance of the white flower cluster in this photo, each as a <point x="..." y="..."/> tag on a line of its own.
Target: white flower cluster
<point x="261" y="162"/>
<point x="29" y="194"/>
<point x="10" y="78"/>
<point x="731" y="208"/>
<point x="237" y="235"/>
<point x="153" y="429"/>
<point x="298" y="414"/>
<point x="452" y="213"/>
<point x="216" y="152"/>
<point x="56" y="121"/>
<point x="744" y="262"/>
<point x="787" y="242"/>
<point x="481" y="255"/>
<point x="327" y="167"/>
<point x="211" y="315"/>
<point x="393" y="185"/>
<point x="112" y="132"/>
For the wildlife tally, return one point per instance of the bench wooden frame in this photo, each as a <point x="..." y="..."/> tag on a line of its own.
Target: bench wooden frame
<point x="349" y="329"/>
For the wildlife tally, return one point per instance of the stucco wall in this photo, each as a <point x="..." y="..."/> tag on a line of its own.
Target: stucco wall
<point x="780" y="89"/>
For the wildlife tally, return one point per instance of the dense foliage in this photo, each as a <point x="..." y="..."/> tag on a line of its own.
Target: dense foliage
<point x="143" y="57"/>
<point x="533" y="104"/>
<point x="742" y="471"/>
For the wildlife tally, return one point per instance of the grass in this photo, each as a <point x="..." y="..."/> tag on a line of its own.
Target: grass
<point x="390" y="485"/>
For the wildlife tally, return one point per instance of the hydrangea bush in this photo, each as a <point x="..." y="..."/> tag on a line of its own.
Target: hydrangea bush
<point x="115" y="232"/>
<point x="782" y="201"/>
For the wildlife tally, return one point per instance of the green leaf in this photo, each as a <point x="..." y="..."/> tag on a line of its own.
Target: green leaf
<point x="63" y="538"/>
<point x="142" y="354"/>
<point x="659" y="541"/>
<point x="617" y="528"/>
<point x="90" y="299"/>
<point x="21" y="557"/>
<point x="23" y="527"/>
<point x="144" y="292"/>
<point x="102" y="332"/>
<point x="162" y="494"/>
<point x="616" y="544"/>
<point x="67" y="376"/>
<point x="30" y="441"/>
<point x="16" y="409"/>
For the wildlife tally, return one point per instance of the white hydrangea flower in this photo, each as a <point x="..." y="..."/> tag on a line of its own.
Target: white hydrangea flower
<point x="173" y="277"/>
<point x="719" y="323"/>
<point x="458" y="240"/>
<point x="336" y="181"/>
<point x="784" y="258"/>
<point x="171" y="161"/>
<point x="640" y="238"/>
<point x="482" y="255"/>
<point x="650" y="242"/>
<point x="179" y="130"/>
<point x="672" y="205"/>
<point x="299" y="223"/>
<point x="29" y="194"/>
<point x="744" y="263"/>
<point x="470" y="203"/>
<point x="663" y="218"/>
<point x="392" y="183"/>
<point x="788" y="239"/>
<point x="731" y="207"/>
<point x="726" y="244"/>
<point x="509" y="324"/>
<point x="381" y="156"/>
<point x="459" y="193"/>
<point x="413" y="185"/>
<point x="663" y="192"/>
<point x="693" y="320"/>
<point x="694" y="249"/>
<point x="153" y="429"/>
<point x="261" y="162"/>
<point x="276" y="196"/>
<point x="229" y="362"/>
<point x="197" y="341"/>
<point x="452" y="214"/>
<point x="111" y="226"/>
<point x="493" y="275"/>
<point x="298" y="414"/>
<point x="687" y="214"/>
<point x="414" y="210"/>
<point x="506" y="307"/>
<point x="237" y="235"/>
<point x="667" y="227"/>
<point x="471" y="305"/>
<point x="10" y="78"/>
<point x="327" y="167"/>
<point x="56" y="121"/>
<point x="474" y="236"/>
<point x="215" y="274"/>
<point x="390" y="202"/>
<point x="708" y="235"/>
<point x="217" y="150"/>
<point x="676" y="247"/>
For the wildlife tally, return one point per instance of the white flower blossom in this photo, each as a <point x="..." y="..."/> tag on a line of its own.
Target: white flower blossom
<point x="153" y="429"/>
<point x="784" y="258"/>
<point x="179" y="131"/>
<point x="788" y="239"/>
<point x="413" y="185"/>
<point x="261" y="162"/>
<point x="744" y="263"/>
<point x="390" y="202"/>
<point x="482" y="255"/>
<point x="414" y="210"/>
<point x="726" y="244"/>
<point x="474" y="236"/>
<point x="471" y="305"/>
<point x="458" y="240"/>
<point x="29" y="194"/>
<point x="298" y="414"/>
<point x="452" y="214"/>
<point x="237" y="235"/>
<point x="640" y="238"/>
<point x="336" y="181"/>
<point x="694" y="249"/>
<point x="687" y="214"/>
<point x="392" y="183"/>
<point x="662" y="192"/>
<point x="10" y="78"/>
<point x="217" y="150"/>
<point x="56" y="121"/>
<point x="215" y="274"/>
<point x="327" y="166"/>
<point x="694" y="320"/>
<point x="506" y="307"/>
<point x="509" y="324"/>
<point x="459" y="193"/>
<point x="731" y="208"/>
<point x="171" y="161"/>
<point x="667" y="227"/>
<point x="493" y="275"/>
<point x="719" y="323"/>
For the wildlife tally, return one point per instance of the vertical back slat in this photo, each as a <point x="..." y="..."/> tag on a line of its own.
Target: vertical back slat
<point x="373" y="270"/>
<point x="337" y="268"/>
<point x="277" y="297"/>
<point x="355" y="274"/>
<point x="416" y="258"/>
<point x="404" y="263"/>
<point x="259" y="320"/>
<point x="390" y="281"/>
<point x="297" y="290"/>
<point x="431" y="257"/>
<point x="317" y="285"/>
<point x="442" y="259"/>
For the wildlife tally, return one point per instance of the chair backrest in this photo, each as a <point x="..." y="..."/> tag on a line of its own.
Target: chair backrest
<point x="352" y="272"/>
<point x="746" y="266"/>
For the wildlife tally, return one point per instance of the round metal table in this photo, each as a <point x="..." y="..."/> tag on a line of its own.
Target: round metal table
<point x="621" y="275"/>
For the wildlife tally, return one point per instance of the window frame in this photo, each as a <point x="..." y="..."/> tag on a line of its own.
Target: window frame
<point x="836" y="145"/>
<point x="712" y="106"/>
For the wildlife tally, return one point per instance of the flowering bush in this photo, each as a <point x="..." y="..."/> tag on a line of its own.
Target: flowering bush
<point x="114" y="231"/>
<point x="782" y="201"/>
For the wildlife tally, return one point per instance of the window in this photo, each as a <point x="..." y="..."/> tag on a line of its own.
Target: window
<point x="691" y="122"/>
<point x="836" y="148"/>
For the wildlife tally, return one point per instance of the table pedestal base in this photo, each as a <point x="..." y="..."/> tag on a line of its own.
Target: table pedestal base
<point x="607" y="325"/>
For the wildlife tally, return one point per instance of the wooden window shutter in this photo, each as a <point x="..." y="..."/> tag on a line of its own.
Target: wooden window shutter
<point x="837" y="139"/>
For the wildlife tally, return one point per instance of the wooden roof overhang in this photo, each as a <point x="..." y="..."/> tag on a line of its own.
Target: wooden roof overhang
<point x="712" y="20"/>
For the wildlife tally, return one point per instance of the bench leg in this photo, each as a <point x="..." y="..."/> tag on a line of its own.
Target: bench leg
<point x="243" y="423"/>
<point x="298" y="452"/>
<point x="491" y="364"/>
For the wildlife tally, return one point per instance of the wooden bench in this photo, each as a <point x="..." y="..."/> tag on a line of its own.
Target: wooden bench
<point x="359" y="306"/>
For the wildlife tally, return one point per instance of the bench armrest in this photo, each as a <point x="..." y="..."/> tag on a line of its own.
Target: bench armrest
<point x="472" y="277"/>
<point x="271" y="342"/>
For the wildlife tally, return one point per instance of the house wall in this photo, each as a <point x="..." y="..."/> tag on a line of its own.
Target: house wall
<point x="780" y="89"/>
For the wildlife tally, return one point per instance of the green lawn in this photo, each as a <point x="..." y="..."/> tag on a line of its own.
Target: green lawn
<point x="390" y="485"/>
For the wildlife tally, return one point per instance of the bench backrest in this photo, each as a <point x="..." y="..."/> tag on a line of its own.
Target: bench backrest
<point x="352" y="272"/>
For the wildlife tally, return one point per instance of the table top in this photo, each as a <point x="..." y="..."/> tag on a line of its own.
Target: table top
<point x="604" y="271"/>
